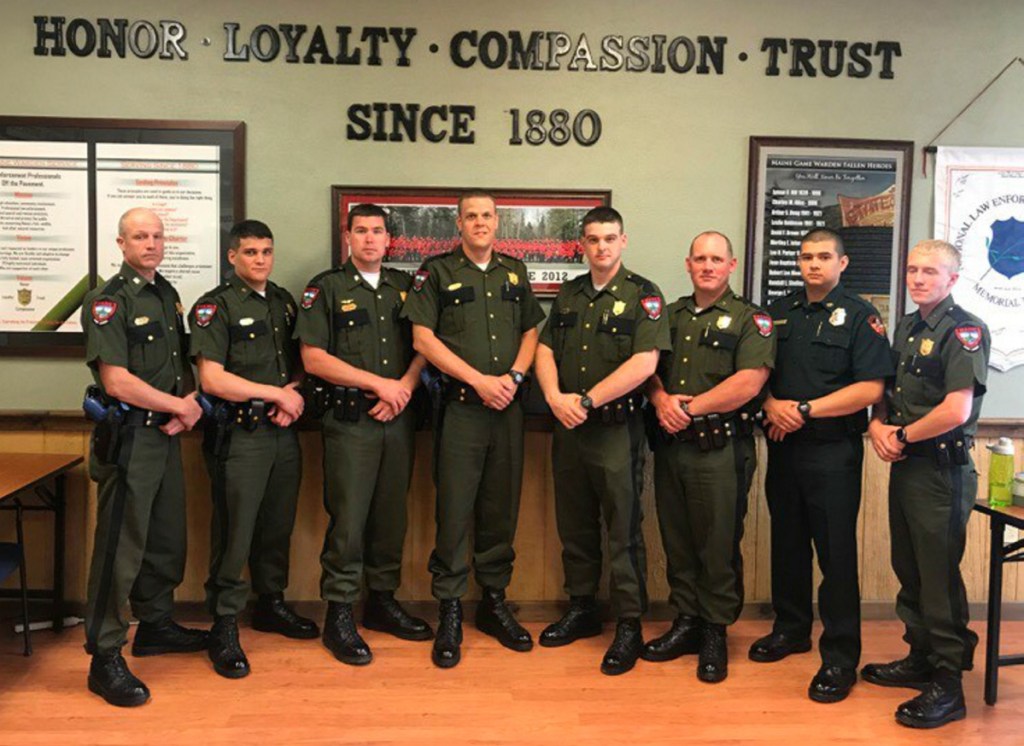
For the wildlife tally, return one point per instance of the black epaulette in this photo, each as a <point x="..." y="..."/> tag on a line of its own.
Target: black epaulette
<point x="406" y="277"/>
<point x="112" y="285"/>
<point x="646" y="285"/>
<point x="960" y="316"/>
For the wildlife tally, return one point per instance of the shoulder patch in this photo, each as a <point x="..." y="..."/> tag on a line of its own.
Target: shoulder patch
<point x="309" y="296"/>
<point x="764" y="324"/>
<point x="876" y="324"/>
<point x="969" y="337"/>
<point x="204" y="314"/>
<point x="652" y="305"/>
<point x="103" y="311"/>
<point x="421" y="277"/>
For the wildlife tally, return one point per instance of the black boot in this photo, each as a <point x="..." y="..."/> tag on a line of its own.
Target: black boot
<point x="341" y="637"/>
<point x="625" y="648"/>
<point x="446" y="652"/>
<point x="581" y="620"/>
<point x="272" y="614"/>
<point x="226" y="651"/>
<point x="494" y="618"/>
<point x="167" y="636"/>
<point x="683" y="638"/>
<point x="912" y="672"/>
<point x="941" y="702"/>
<point x="713" y="663"/>
<point x="776" y="646"/>
<point x="384" y="614"/>
<point x="832" y="684"/>
<point x="110" y="678"/>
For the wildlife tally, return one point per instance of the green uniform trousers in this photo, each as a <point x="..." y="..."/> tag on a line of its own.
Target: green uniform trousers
<point x="367" y="469"/>
<point x="479" y="467"/>
<point x="255" y="482"/>
<point x="139" y="548"/>
<point x="928" y="511"/>
<point x="702" y="502"/>
<point x="598" y="470"/>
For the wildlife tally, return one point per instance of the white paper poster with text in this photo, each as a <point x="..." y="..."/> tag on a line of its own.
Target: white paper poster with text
<point x="979" y="208"/>
<point x="181" y="184"/>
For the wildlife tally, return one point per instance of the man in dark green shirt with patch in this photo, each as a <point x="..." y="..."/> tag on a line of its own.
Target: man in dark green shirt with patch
<point x="704" y="398"/>
<point x="135" y="346"/>
<point x="925" y="428"/>
<point x="355" y="341"/>
<point x="599" y="345"/>
<point x="242" y="346"/>
<point x="475" y="319"/>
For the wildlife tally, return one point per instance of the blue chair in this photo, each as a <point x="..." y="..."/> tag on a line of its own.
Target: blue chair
<point x="12" y="557"/>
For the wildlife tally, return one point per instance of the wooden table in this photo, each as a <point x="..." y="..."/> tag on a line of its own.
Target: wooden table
<point x="999" y="553"/>
<point x="32" y="475"/>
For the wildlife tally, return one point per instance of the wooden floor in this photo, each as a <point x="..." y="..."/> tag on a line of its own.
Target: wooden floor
<point x="298" y="694"/>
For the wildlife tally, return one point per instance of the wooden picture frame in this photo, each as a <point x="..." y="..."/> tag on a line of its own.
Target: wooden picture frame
<point x="859" y="188"/>
<point x="541" y="227"/>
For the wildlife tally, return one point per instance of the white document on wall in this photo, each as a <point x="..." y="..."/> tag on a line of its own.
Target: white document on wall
<point x="979" y="208"/>
<point x="181" y="183"/>
<point x="44" y="235"/>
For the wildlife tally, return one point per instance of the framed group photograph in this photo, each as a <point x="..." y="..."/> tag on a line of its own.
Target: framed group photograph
<point x="858" y="188"/>
<point x="542" y="228"/>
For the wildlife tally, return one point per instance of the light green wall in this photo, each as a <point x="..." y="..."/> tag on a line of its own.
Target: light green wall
<point x="674" y="149"/>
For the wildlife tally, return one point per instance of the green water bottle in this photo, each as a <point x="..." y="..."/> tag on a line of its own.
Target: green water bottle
<point x="1000" y="474"/>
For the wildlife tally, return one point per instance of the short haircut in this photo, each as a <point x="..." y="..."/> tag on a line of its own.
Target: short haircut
<point x="248" y="229"/>
<point x="475" y="194"/>
<point x="703" y="234"/>
<point x="122" y="222"/>
<point x="818" y="235"/>
<point x="946" y="249"/>
<point x="366" y="210"/>
<point x="602" y="214"/>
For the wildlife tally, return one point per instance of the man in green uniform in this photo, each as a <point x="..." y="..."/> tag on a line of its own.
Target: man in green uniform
<point x="475" y="318"/>
<point x="704" y="398"/>
<point x="354" y="340"/>
<point x="135" y="346"/>
<point x="241" y="343"/>
<point x="925" y="428"/>
<point x="833" y="358"/>
<point x="599" y="345"/>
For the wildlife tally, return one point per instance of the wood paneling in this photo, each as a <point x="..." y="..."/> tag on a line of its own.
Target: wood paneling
<point x="538" y="575"/>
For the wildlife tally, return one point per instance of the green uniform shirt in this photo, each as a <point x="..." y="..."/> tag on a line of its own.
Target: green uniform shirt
<point x="136" y="324"/>
<point x="710" y="344"/>
<point x="592" y="332"/>
<point x="826" y="346"/>
<point x="945" y="352"/>
<point x="357" y="323"/>
<point x="480" y="314"/>
<point x="250" y="335"/>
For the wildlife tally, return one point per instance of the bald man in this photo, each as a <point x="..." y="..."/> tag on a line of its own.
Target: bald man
<point x="135" y="347"/>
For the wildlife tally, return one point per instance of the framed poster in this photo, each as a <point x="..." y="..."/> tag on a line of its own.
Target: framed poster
<point x="63" y="185"/>
<point x="858" y="188"/>
<point x="542" y="228"/>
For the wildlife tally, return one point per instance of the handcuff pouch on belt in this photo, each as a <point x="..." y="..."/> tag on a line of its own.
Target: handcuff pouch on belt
<point x="949" y="449"/>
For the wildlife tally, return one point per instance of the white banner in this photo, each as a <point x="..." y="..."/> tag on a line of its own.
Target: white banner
<point x="979" y="208"/>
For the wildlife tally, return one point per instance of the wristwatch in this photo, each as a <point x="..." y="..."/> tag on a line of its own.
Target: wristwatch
<point x="587" y="403"/>
<point x="685" y="406"/>
<point x="901" y="435"/>
<point x="517" y="377"/>
<point x="804" y="408"/>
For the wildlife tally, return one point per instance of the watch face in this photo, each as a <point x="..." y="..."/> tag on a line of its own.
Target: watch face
<point x="586" y="402"/>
